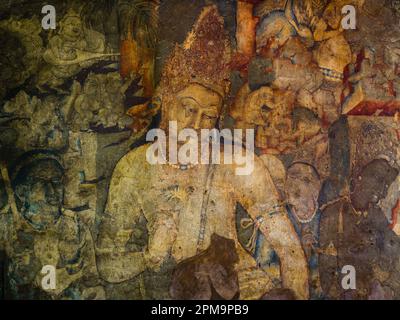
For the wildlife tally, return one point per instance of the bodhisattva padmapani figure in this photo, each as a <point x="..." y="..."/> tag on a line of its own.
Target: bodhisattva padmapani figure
<point x="184" y="206"/>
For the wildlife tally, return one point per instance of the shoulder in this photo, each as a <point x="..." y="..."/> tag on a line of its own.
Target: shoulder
<point x="133" y="160"/>
<point x="245" y="166"/>
<point x="130" y="176"/>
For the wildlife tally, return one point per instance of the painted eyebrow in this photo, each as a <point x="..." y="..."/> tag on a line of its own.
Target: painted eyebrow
<point x="192" y="99"/>
<point x="200" y="104"/>
<point x="211" y="108"/>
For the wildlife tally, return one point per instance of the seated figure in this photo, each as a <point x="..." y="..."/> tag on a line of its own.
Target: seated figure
<point x="182" y="205"/>
<point x="73" y="47"/>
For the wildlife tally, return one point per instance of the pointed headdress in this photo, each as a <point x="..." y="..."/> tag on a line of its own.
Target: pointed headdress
<point x="203" y="58"/>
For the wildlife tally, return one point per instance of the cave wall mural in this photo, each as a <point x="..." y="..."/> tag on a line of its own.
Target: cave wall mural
<point x="300" y="201"/>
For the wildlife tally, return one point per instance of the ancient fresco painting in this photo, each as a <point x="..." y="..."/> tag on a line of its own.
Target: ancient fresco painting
<point x="221" y="149"/>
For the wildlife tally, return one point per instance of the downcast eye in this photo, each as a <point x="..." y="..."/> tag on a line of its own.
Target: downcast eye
<point x="189" y="110"/>
<point x="265" y="108"/>
<point x="209" y="116"/>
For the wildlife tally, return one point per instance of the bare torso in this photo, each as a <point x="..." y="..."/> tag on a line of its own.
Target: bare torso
<point x="183" y="208"/>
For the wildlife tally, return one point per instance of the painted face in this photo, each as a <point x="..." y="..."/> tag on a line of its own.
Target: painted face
<point x="195" y="107"/>
<point x="372" y="184"/>
<point x="40" y="192"/>
<point x="72" y="28"/>
<point x="302" y="190"/>
<point x="272" y="32"/>
<point x="332" y="16"/>
<point x="269" y="113"/>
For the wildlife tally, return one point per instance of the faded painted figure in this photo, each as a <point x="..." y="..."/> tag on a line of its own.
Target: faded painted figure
<point x="187" y="205"/>
<point x="73" y="47"/>
<point x="40" y="232"/>
<point x="358" y="226"/>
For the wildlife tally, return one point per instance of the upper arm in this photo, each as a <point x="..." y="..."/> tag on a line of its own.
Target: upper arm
<point x="122" y="209"/>
<point x="256" y="188"/>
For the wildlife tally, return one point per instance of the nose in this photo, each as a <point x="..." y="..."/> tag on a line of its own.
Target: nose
<point x="51" y="193"/>
<point x="197" y="121"/>
<point x="50" y="189"/>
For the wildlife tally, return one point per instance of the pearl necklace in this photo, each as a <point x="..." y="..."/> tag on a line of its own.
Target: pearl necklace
<point x="182" y="166"/>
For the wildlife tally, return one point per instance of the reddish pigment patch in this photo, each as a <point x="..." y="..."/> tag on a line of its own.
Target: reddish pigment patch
<point x="240" y="62"/>
<point x="369" y="108"/>
<point x="395" y="212"/>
